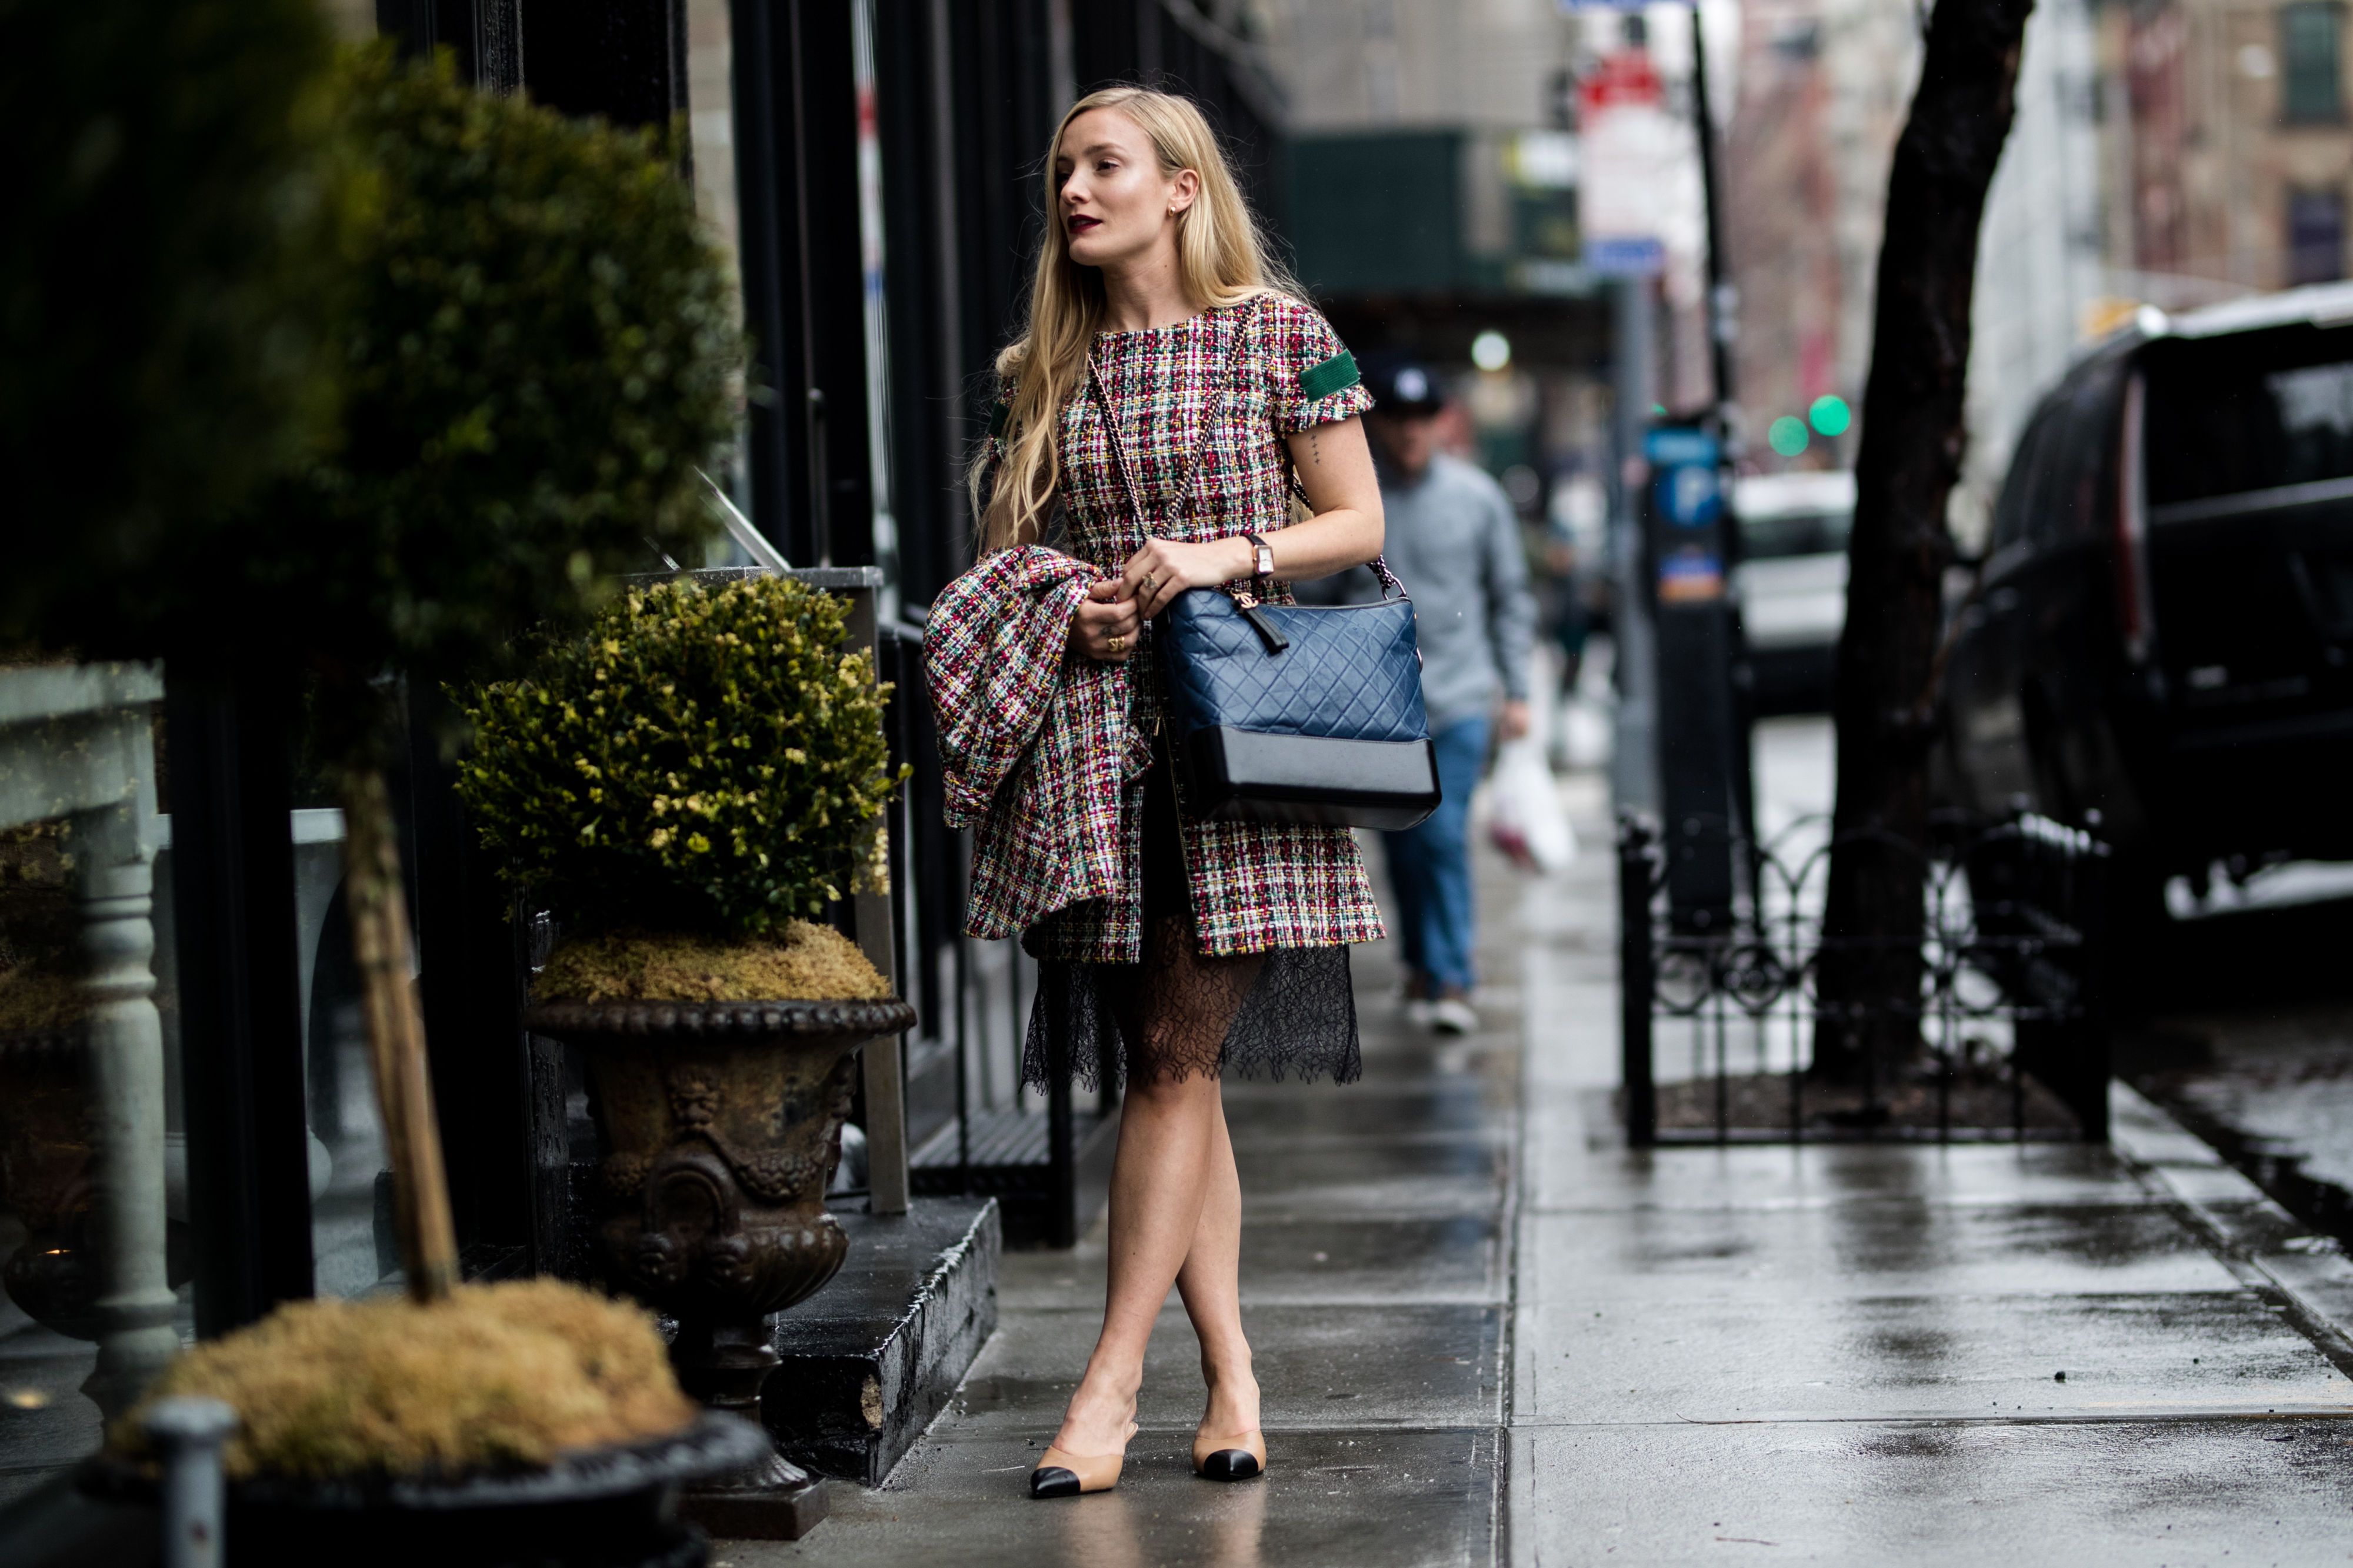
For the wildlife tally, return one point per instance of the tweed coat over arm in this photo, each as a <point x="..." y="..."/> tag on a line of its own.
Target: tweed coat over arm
<point x="1034" y="742"/>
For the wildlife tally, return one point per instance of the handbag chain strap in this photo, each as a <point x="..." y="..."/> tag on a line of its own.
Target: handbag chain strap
<point x="1390" y="583"/>
<point x="1119" y="449"/>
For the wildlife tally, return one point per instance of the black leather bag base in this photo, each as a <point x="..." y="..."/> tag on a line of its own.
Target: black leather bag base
<point x="1255" y="777"/>
<point x="1298" y="712"/>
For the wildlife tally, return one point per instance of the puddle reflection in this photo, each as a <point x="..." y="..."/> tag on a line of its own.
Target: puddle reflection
<point x="1117" y="1530"/>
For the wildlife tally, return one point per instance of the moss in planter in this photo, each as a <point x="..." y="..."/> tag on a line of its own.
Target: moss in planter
<point x="812" y="962"/>
<point x="497" y="1378"/>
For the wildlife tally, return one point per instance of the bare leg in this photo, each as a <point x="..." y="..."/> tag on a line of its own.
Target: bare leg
<point x="1211" y="1282"/>
<point x="1167" y="1138"/>
<point x="1171" y="1135"/>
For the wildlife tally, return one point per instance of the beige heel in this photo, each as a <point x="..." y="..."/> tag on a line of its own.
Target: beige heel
<point x="1058" y="1474"/>
<point x="1236" y="1456"/>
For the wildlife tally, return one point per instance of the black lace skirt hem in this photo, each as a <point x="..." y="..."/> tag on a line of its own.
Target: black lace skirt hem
<point x="1296" y="1018"/>
<point x="1176" y="1013"/>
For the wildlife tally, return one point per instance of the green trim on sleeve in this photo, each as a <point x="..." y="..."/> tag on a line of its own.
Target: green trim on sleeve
<point x="999" y="416"/>
<point x="1337" y="373"/>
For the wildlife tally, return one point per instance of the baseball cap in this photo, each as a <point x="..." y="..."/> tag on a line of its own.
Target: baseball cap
<point x="1402" y="384"/>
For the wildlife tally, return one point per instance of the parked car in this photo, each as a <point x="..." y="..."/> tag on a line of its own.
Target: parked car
<point x="2159" y="641"/>
<point x="1793" y="584"/>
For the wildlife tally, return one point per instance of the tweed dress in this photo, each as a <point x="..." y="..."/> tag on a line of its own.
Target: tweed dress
<point x="1232" y="957"/>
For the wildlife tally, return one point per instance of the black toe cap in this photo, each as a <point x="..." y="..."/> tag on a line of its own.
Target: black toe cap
<point x="1230" y="1465"/>
<point x="1052" y="1481"/>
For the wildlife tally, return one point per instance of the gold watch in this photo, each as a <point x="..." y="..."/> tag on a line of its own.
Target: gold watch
<point x="1262" y="556"/>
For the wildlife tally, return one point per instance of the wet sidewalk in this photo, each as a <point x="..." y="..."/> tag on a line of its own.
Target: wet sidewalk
<point x="1876" y="1354"/>
<point x="1488" y="1332"/>
<point x="1376" y="1283"/>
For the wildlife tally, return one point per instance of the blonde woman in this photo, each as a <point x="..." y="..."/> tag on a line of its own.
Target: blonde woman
<point x="1168" y="381"/>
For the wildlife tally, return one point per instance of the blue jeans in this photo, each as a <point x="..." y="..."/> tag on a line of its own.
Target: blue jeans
<point x="1430" y="865"/>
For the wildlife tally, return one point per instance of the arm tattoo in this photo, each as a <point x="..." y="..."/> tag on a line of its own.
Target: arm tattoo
<point x="1314" y="448"/>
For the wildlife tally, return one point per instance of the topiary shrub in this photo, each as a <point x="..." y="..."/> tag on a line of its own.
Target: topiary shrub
<point x="703" y="760"/>
<point x="539" y="353"/>
<point x="531" y="341"/>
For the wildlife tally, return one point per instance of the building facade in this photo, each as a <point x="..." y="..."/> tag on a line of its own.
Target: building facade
<point x="2240" y="156"/>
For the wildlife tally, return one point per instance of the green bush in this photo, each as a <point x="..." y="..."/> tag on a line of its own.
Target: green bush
<point x="703" y="760"/>
<point x="539" y="352"/>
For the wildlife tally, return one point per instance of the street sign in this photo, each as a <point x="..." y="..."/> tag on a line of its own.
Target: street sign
<point x="1688" y="484"/>
<point x="1625" y="80"/>
<point x="1629" y="148"/>
<point x="1625" y="256"/>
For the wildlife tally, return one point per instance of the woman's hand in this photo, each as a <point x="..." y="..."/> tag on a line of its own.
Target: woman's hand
<point x="1336" y="468"/>
<point x="1105" y="625"/>
<point x="1162" y="569"/>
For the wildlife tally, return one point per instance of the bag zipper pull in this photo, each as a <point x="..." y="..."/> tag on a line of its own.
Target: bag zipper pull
<point x="1268" y="632"/>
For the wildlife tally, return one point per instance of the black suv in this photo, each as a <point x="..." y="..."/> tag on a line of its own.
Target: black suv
<point x="2163" y="628"/>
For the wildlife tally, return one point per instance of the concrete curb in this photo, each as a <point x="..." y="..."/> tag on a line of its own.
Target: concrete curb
<point x="2308" y="1277"/>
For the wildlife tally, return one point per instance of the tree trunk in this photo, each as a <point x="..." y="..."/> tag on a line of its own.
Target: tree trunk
<point x="1913" y="439"/>
<point x="396" y="1037"/>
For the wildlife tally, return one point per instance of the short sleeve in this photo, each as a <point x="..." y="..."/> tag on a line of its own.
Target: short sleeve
<point x="1312" y="377"/>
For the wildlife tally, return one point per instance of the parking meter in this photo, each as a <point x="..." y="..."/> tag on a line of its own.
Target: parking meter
<point x="1687" y="523"/>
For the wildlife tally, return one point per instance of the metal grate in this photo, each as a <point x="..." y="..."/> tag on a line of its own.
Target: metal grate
<point x="2006" y="1038"/>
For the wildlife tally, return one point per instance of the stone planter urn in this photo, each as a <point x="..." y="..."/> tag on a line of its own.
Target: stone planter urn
<point x="723" y="1125"/>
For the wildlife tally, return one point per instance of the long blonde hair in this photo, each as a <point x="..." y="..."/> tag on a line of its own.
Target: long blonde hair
<point x="1223" y="258"/>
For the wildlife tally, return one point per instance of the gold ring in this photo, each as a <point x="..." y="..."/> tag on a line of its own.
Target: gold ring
<point x="1118" y="643"/>
<point x="1150" y="582"/>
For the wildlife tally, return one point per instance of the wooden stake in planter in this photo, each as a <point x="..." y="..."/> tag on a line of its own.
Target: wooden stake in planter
<point x="395" y="1038"/>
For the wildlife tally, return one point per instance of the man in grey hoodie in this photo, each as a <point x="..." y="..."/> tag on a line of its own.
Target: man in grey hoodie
<point x="1453" y="542"/>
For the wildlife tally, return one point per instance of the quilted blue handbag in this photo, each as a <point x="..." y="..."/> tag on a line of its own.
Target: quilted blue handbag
<point x="1299" y="713"/>
<point x="1292" y="713"/>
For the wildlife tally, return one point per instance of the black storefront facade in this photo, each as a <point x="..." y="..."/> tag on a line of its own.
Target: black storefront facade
<point x="868" y="389"/>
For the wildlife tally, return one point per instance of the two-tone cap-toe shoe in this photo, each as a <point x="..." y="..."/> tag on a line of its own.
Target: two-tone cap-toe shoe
<point x="1058" y="1474"/>
<point x="1235" y="1456"/>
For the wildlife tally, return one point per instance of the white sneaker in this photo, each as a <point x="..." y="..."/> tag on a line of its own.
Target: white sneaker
<point x="1417" y="1011"/>
<point x="1453" y="1016"/>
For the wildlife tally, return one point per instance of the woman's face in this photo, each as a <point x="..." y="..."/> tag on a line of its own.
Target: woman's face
<point x="1115" y="203"/>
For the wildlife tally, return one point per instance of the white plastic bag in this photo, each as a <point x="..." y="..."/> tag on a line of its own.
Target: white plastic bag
<point x="1524" y="811"/>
